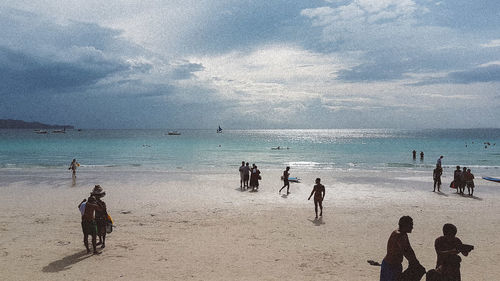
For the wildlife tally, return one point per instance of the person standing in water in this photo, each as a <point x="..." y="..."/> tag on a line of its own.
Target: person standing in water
<point x="73" y="167"/>
<point x="319" y="195"/>
<point x="414" y="154"/>
<point x="286" y="174"/>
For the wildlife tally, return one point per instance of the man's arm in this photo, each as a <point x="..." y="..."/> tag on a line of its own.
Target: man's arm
<point x="408" y="252"/>
<point x="312" y="192"/>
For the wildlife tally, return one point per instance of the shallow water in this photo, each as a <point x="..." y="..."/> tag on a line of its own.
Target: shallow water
<point x="205" y="150"/>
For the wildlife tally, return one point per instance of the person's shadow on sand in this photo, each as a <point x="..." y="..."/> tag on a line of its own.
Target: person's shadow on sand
<point x="284" y="196"/>
<point x="441" y="193"/>
<point x="317" y="222"/>
<point x="66" y="262"/>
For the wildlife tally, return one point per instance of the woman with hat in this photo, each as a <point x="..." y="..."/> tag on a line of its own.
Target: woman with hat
<point x="101" y="216"/>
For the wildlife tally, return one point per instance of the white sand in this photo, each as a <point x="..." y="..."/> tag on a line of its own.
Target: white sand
<point x="201" y="227"/>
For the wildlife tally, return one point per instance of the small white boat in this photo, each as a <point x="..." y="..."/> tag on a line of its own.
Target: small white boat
<point x="63" y="131"/>
<point x="41" y="132"/>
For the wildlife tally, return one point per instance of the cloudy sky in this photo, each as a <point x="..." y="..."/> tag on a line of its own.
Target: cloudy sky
<point x="251" y="63"/>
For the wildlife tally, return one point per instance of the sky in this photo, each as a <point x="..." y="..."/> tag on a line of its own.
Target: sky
<point x="247" y="64"/>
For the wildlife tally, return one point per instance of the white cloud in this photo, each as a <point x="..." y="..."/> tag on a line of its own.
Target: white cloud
<point x="492" y="44"/>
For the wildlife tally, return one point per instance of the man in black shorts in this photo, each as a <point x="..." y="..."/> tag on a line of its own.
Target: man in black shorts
<point x="286" y="174"/>
<point x="319" y="195"/>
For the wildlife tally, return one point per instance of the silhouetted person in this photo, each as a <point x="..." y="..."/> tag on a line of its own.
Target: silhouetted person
<point x="447" y="249"/>
<point x="242" y="176"/>
<point x="438" y="171"/>
<point x="246" y="175"/>
<point x="457" y="175"/>
<point x="421" y="155"/>
<point x="414" y="154"/>
<point x="319" y="195"/>
<point x="439" y="161"/>
<point x="462" y="180"/>
<point x="398" y="246"/>
<point x="286" y="174"/>
<point x="469" y="182"/>
<point x="254" y="178"/>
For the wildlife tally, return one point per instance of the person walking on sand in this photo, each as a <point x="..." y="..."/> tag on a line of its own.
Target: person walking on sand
<point x="242" y="176"/>
<point x="89" y="226"/>
<point x="73" y="167"/>
<point x="447" y="249"/>
<point x="469" y="182"/>
<point x="319" y="195"/>
<point x="462" y="180"/>
<point x="438" y="171"/>
<point x="101" y="216"/>
<point x="398" y="246"/>
<point x="286" y="174"/>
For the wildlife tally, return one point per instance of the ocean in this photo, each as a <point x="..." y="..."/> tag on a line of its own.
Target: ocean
<point x="206" y="150"/>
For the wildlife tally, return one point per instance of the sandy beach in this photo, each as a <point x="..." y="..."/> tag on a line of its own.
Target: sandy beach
<point x="179" y="225"/>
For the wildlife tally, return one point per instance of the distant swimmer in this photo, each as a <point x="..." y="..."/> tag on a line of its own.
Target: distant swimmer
<point x="421" y="155"/>
<point x="73" y="167"/>
<point x="414" y="154"/>
<point x="285" y="176"/>
<point x="319" y="194"/>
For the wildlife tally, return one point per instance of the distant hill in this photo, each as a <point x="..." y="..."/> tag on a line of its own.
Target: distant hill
<point x="19" y="124"/>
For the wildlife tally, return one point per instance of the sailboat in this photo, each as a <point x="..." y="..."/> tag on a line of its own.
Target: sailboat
<point x="219" y="130"/>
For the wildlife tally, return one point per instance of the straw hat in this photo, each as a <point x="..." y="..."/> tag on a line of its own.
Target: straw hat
<point x="98" y="191"/>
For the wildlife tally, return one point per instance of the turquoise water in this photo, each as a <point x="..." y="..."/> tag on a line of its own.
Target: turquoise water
<point x="207" y="150"/>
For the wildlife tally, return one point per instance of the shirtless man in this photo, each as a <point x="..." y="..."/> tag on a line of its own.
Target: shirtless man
<point x="89" y="226"/>
<point x="398" y="246"/>
<point x="319" y="195"/>
<point x="286" y="174"/>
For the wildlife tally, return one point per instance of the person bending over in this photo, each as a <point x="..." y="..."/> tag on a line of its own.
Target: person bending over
<point x="398" y="246"/>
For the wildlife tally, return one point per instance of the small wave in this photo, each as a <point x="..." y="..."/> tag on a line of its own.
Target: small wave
<point x="402" y="165"/>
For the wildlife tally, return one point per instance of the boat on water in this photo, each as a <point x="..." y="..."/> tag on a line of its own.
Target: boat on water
<point x="219" y="130"/>
<point x="63" y="131"/>
<point x="40" y="131"/>
<point x="174" y="133"/>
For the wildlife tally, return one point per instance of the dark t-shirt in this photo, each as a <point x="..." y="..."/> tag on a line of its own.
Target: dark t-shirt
<point x="444" y="244"/>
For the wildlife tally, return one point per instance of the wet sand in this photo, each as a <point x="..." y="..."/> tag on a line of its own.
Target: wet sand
<point x="183" y="226"/>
